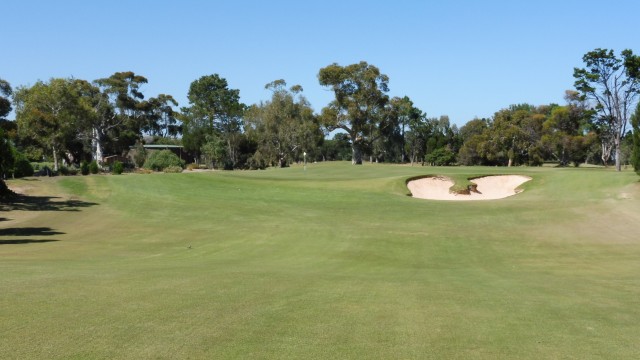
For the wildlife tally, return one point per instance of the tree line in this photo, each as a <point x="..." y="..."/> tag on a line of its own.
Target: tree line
<point x="68" y="120"/>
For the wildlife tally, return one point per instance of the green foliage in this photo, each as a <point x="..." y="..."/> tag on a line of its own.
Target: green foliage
<point x="257" y="161"/>
<point x="93" y="167"/>
<point x="441" y="157"/>
<point x="612" y="83"/>
<point x="49" y="114"/>
<point x="214" y="151"/>
<point x="161" y="119"/>
<point x="159" y="160"/>
<point x="215" y="110"/>
<point x="84" y="168"/>
<point x="5" y="101"/>
<point x="140" y="155"/>
<point x="283" y="127"/>
<point x="118" y="168"/>
<point x="6" y="161"/>
<point x="22" y="168"/>
<point x="360" y="99"/>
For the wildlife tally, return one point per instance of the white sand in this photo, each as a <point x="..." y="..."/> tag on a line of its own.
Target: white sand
<point x="490" y="187"/>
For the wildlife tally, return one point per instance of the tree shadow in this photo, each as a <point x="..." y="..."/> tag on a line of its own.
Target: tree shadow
<point x="23" y="232"/>
<point x="43" y="203"/>
<point x="24" y="241"/>
<point x="29" y="231"/>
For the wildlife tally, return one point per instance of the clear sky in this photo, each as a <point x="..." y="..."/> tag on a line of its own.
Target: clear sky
<point x="464" y="59"/>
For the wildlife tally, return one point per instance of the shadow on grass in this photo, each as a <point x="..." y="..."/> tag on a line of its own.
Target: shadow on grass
<point x="43" y="203"/>
<point x="23" y="241"/>
<point x="29" y="231"/>
<point x="25" y="232"/>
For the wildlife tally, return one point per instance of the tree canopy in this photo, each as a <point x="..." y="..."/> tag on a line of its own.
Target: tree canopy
<point x="72" y="120"/>
<point x="612" y="83"/>
<point x="359" y="106"/>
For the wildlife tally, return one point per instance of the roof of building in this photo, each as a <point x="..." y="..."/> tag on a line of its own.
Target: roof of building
<point x="163" y="146"/>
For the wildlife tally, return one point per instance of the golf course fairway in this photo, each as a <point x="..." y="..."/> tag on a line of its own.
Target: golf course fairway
<point x="332" y="262"/>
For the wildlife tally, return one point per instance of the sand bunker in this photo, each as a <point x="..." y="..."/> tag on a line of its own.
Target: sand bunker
<point x="489" y="187"/>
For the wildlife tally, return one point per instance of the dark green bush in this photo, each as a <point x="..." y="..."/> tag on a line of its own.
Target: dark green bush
<point x="93" y="167"/>
<point x="118" y="168"/>
<point x="441" y="157"/>
<point x="159" y="160"/>
<point x="84" y="168"/>
<point x="22" y="168"/>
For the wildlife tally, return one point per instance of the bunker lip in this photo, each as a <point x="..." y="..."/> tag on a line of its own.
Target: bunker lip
<point x="490" y="187"/>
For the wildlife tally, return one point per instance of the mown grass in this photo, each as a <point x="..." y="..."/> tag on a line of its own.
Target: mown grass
<point x="332" y="262"/>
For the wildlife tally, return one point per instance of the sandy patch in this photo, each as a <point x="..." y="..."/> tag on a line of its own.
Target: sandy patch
<point x="489" y="188"/>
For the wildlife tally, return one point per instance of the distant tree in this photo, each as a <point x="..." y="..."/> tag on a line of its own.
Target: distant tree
<point x="390" y="144"/>
<point x="564" y="129"/>
<point x="127" y="101"/>
<point x="473" y="127"/>
<point x="285" y="126"/>
<point x="215" y="109"/>
<point x="5" y="99"/>
<point x="6" y="162"/>
<point x="474" y="135"/>
<point x="337" y="148"/>
<point x="140" y="154"/>
<point x="419" y="130"/>
<point x="635" y="154"/>
<point x="48" y="113"/>
<point x="513" y="136"/>
<point x="99" y="120"/>
<point x="161" y="118"/>
<point x="613" y="84"/>
<point x="441" y="157"/>
<point x="359" y="105"/>
<point x="214" y="150"/>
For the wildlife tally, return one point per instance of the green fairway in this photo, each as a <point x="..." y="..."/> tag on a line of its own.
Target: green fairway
<point x="335" y="262"/>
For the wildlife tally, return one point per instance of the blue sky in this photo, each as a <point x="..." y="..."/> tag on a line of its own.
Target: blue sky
<point x="459" y="58"/>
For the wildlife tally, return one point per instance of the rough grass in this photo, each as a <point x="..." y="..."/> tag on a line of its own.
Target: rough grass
<point x="332" y="262"/>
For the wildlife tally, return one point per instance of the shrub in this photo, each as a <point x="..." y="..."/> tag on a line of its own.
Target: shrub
<point x="257" y="162"/>
<point x="22" y="168"/>
<point x="93" y="167"/>
<point x="118" y="168"/>
<point x="45" y="171"/>
<point x="159" y="160"/>
<point x="139" y="155"/>
<point x="192" y="166"/>
<point x="173" y="169"/>
<point x="64" y="171"/>
<point x="84" y="168"/>
<point x="441" y="157"/>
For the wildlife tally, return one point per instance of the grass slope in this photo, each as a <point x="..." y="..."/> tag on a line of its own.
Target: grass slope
<point x="332" y="262"/>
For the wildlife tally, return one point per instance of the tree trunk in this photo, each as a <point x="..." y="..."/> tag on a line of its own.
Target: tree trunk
<point x="606" y="153"/>
<point x="356" y="154"/>
<point x="96" y="146"/>
<point x="618" y="160"/>
<point x="232" y="153"/>
<point x="55" y="159"/>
